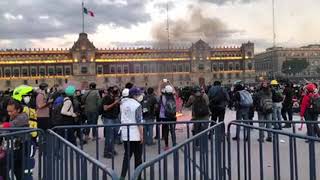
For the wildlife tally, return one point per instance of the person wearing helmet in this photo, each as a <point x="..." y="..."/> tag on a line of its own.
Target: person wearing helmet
<point x="167" y="106"/>
<point x="43" y="105"/>
<point x="68" y="113"/>
<point x="306" y="111"/>
<point x="277" y="99"/>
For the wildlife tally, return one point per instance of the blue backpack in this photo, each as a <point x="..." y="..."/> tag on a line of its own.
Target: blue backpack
<point x="245" y="99"/>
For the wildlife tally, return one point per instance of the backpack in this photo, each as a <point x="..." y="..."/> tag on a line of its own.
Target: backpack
<point x="315" y="104"/>
<point x="277" y="96"/>
<point x="170" y="108"/>
<point x="56" y="116"/>
<point x="245" y="99"/>
<point x="32" y="119"/>
<point x="200" y="107"/>
<point x="266" y="105"/>
<point x="146" y="105"/>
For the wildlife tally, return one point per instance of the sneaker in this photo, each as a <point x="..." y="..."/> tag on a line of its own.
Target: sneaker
<point x="235" y="138"/>
<point x="260" y="140"/>
<point x="108" y="155"/>
<point x="269" y="139"/>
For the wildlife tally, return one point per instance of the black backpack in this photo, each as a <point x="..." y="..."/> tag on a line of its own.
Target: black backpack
<point x="315" y="104"/>
<point x="170" y="108"/>
<point x="200" y="107"/>
<point x="56" y="117"/>
<point x="277" y="96"/>
<point x="218" y="98"/>
<point x="146" y="105"/>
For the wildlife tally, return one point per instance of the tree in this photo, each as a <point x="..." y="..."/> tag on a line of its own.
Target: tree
<point x="294" y="66"/>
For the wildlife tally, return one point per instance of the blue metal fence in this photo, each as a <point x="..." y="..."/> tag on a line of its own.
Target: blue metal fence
<point x="22" y="156"/>
<point x="289" y="155"/>
<point x="69" y="162"/>
<point x="199" y="157"/>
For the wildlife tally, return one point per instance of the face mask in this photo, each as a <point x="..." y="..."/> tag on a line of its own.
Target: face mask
<point x="26" y="99"/>
<point x="140" y="98"/>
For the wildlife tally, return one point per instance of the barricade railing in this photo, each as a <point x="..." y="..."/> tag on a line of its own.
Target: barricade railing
<point x="182" y="130"/>
<point x="287" y="155"/>
<point x="22" y="154"/>
<point x="69" y="162"/>
<point x="199" y="157"/>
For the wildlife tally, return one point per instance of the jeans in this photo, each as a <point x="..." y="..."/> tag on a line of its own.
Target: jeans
<point x="218" y="114"/>
<point x="92" y="119"/>
<point x="169" y="128"/>
<point x="135" y="147"/>
<point x="149" y="132"/>
<point x="264" y="117"/>
<point x="286" y="110"/>
<point x="312" y="129"/>
<point x="109" y="133"/>
<point x="242" y="114"/>
<point x="276" y="114"/>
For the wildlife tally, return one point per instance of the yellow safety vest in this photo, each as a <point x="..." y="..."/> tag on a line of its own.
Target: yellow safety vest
<point x="32" y="119"/>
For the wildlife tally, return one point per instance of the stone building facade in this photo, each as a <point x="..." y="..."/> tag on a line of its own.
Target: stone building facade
<point x="268" y="64"/>
<point x="84" y="63"/>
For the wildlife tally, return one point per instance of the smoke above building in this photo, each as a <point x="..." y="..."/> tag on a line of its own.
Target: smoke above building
<point x="191" y="29"/>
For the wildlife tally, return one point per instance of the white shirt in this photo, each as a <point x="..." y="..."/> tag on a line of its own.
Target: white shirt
<point x="131" y="113"/>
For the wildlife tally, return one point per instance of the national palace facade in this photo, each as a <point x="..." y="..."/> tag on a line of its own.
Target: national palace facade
<point x="84" y="63"/>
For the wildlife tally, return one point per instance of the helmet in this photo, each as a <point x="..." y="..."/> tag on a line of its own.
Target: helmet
<point x="168" y="89"/>
<point x="21" y="91"/>
<point x="237" y="82"/>
<point x="311" y="87"/>
<point x="70" y="90"/>
<point x="274" y="82"/>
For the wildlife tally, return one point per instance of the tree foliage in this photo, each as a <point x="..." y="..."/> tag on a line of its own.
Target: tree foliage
<point x="294" y="66"/>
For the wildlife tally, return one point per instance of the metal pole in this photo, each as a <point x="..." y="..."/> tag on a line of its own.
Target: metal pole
<point x="82" y="10"/>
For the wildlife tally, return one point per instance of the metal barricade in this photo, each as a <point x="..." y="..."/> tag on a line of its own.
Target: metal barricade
<point x="199" y="157"/>
<point x="183" y="131"/>
<point x="22" y="155"/>
<point x="288" y="154"/>
<point x="69" y="162"/>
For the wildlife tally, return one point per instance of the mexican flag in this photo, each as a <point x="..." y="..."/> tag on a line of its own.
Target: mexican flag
<point x="88" y="12"/>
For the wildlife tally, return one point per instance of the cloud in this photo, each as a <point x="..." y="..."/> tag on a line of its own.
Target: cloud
<point x="222" y="2"/>
<point x="36" y="19"/>
<point x="192" y="29"/>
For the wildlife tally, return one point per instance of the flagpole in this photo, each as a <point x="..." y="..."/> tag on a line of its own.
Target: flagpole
<point x="82" y="18"/>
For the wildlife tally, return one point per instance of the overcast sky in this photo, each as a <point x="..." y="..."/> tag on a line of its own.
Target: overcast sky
<point x="124" y="23"/>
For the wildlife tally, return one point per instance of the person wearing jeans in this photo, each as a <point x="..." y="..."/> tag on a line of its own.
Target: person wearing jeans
<point x="91" y="100"/>
<point x="277" y="99"/>
<point x="149" y="105"/>
<point x="110" y="114"/>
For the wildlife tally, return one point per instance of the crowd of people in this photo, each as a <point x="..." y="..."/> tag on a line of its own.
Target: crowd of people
<point x="57" y="106"/>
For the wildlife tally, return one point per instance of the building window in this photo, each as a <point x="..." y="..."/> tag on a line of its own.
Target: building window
<point x="237" y="75"/>
<point x="51" y="71"/>
<point x="221" y="67"/>
<point x="126" y="69"/>
<point x="99" y="70"/>
<point x="162" y="68"/>
<point x="16" y="73"/>
<point x="24" y="72"/>
<point x="174" y="68"/>
<point x="7" y="72"/>
<point x="112" y="69"/>
<point x="137" y="68"/>
<point x="68" y="71"/>
<point x="42" y="71"/>
<point x="59" y="71"/>
<point x="237" y="66"/>
<point x="180" y="68"/>
<point x="229" y="76"/>
<point x="154" y="68"/>
<point x="201" y="67"/>
<point x="119" y="69"/>
<point x="33" y="71"/>
<point x="230" y="66"/>
<point x="221" y="76"/>
<point x="168" y="68"/>
<point x="187" y="68"/>
<point x="145" y="68"/>
<point x="84" y="70"/>
<point x="214" y="76"/>
<point x="214" y="67"/>
<point x="250" y="66"/>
